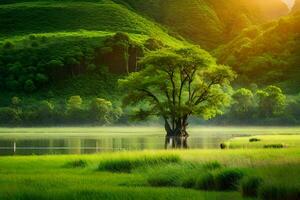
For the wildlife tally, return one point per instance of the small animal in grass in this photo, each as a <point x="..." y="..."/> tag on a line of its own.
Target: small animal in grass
<point x="223" y="146"/>
<point x="254" y="140"/>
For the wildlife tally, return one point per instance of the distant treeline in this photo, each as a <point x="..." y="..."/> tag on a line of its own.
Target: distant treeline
<point x="267" y="106"/>
<point x="74" y="111"/>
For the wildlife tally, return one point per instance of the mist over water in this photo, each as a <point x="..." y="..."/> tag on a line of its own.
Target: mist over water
<point x="44" y="141"/>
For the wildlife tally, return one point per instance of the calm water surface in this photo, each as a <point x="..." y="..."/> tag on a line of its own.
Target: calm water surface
<point x="39" y="141"/>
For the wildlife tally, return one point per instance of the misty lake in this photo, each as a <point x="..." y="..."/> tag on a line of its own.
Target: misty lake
<point x="39" y="141"/>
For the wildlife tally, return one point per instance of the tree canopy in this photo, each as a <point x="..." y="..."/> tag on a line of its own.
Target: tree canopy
<point x="178" y="83"/>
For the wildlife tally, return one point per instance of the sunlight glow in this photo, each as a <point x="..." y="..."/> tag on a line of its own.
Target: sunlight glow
<point x="290" y="3"/>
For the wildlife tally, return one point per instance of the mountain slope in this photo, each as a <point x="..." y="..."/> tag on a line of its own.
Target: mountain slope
<point x="52" y="45"/>
<point x="53" y="42"/>
<point x="43" y="17"/>
<point x="209" y="22"/>
<point x="267" y="54"/>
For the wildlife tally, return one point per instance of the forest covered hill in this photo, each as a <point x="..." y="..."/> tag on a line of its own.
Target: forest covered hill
<point x="54" y="49"/>
<point x="267" y="54"/>
<point x="59" y="45"/>
<point x="209" y="22"/>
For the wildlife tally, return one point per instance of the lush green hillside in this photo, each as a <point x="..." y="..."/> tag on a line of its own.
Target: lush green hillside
<point x="267" y="54"/>
<point x="55" y="53"/>
<point x="55" y="44"/>
<point x="46" y="43"/>
<point x="54" y="49"/>
<point x="44" y="17"/>
<point x="209" y="22"/>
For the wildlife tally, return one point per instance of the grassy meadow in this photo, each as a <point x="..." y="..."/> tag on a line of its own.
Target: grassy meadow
<point x="265" y="141"/>
<point x="190" y="174"/>
<point x="246" y="169"/>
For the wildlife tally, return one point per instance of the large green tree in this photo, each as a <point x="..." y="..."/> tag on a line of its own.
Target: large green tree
<point x="271" y="101"/>
<point x="102" y="111"/>
<point x="176" y="84"/>
<point x="243" y="104"/>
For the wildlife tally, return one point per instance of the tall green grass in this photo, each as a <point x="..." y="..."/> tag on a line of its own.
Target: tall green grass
<point x="265" y="141"/>
<point x="153" y="175"/>
<point x="127" y="164"/>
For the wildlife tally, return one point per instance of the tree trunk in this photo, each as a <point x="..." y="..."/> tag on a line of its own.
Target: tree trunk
<point x="176" y="138"/>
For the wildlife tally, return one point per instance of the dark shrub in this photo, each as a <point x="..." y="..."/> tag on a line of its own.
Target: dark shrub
<point x="189" y="182"/>
<point x="254" y="140"/>
<point x="29" y="86"/>
<point x="127" y="165"/>
<point x="77" y="164"/>
<point x="271" y="192"/>
<point x="167" y="176"/>
<point x="121" y="36"/>
<point x="164" y="180"/>
<point x="44" y="39"/>
<point x="153" y="44"/>
<point x="228" y="179"/>
<point x="206" y="182"/>
<point x="212" y="165"/>
<point x="122" y="165"/>
<point x="34" y="44"/>
<point x="250" y="186"/>
<point x="273" y="146"/>
<point x="223" y="146"/>
<point x="8" y="45"/>
<point x="9" y="116"/>
<point x="32" y="37"/>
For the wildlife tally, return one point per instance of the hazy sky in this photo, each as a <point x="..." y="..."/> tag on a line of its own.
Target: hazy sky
<point x="289" y="2"/>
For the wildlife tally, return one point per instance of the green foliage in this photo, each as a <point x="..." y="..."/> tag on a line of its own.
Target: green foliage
<point x="15" y="101"/>
<point x="153" y="44"/>
<point x="75" y="111"/>
<point x="29" y="86"/>
<point x="8" y="45"/>
<point x="265" y="141"/>
<point x="53" y="112"/>
<point x="228" y="179"/>
<point x="103" y="111"/>
<point x="56" y="181"/>
<point x="268" y="105"/>
<point x="76" y="164"/>
<point x="128" y="164"/>
<point x="168" y="176"/>
<point x="250" y="186"/>
<point x="213" y="165"/>
<point x="243" y="103"/>
<point x="178" y="83"/>
<point x="62" y="46"/>
<point x="51" y="16"/>
<point x="74" y="102"/>
<point x="206" y="182"/>
<point x="282" y="192"/>
<point x="266" y="54"/>
<point x="61" y="40"/>
<point x="9" y="116"/>
<point x="271" y="101"/>
<point x="205" y="22"/>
